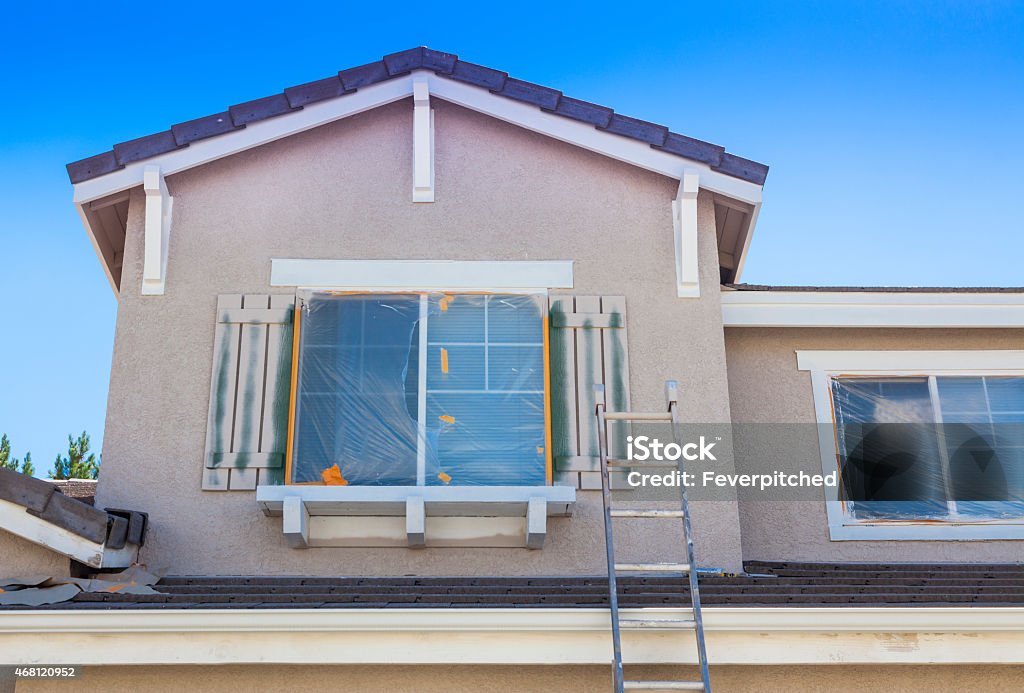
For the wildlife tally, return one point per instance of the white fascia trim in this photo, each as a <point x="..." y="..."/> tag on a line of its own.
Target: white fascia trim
<point x="426" y="275"/>
<point x="823" y="365"/>
<point x="16" y="520"/>
<point x="871" y="309"/>
<point x="743" y="635"/>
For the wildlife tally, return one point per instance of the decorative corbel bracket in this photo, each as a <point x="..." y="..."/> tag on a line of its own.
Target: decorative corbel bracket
<point x="422" y="143"/>
<point x="684" y="221"/>
<point x="158" y="231"/>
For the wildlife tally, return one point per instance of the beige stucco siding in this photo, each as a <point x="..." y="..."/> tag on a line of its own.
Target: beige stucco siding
<point x="21" y="558"/>
<point x="344" y="191"/>
<point x="766" y="387"/>
<point x="529" y="679"/>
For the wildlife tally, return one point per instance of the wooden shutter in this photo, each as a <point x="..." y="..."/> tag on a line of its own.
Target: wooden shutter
<point x="588" y="346"/>
<point x="247" y="429"/>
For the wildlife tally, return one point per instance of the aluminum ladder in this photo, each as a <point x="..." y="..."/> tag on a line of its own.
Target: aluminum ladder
<point x="614" y="569"/>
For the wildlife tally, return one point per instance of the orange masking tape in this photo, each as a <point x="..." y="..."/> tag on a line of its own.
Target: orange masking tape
<point x="444" y="360"/>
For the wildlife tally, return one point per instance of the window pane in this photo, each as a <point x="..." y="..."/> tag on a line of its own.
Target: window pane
<point x="961" y="396"/>
<point x="888" y="452"/>
<point x="1006" y="394"/>
<point x="352" y="407"/>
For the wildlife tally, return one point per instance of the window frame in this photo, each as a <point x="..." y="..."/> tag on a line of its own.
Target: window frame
<point x="824" y="366"/>
<point x="424" y="297"/>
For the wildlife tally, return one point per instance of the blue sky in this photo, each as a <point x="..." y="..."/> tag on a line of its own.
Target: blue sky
<point x="893" y="132"/>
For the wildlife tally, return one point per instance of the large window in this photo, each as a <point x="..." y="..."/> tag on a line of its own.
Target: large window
<point x="421" y="389"/>
<point x="931" y="447"/>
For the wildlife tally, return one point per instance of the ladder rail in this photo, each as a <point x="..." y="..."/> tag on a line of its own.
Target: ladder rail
<point x="672" y="417"/>
<point x="618" y="677"/>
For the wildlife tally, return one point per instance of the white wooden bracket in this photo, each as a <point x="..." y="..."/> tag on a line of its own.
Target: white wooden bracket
<point x="536" y="522"/>
<point x="684" y="221"/>
<point x="295" y="522"/>
<point x="416" y="522"/>
<point x="422" y="142"/>
<point x="158" y="231"/>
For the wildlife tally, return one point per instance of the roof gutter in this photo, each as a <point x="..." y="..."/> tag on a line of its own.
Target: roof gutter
<point x="739" y="635"/>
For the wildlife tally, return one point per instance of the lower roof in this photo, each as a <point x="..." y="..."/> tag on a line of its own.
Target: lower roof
<point x="779" y="584"/>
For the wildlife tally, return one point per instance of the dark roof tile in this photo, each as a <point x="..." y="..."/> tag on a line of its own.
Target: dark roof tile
<point x="93" y="167"/>
<point x="583" y="110"/>
<point x="479" y="75"/>
<point x="530" y="93"/>
<point x="448" y="64"/>
<point x="311" y="92"/>
<point x="260" y="109"/>
<point x="698" y="150"/>
<point x="650" y="133"/>
<point x="201" y="128"/>
<point x="742" y="168"/>
<point x="145" y="147"/>
<point x="364" y="75"/>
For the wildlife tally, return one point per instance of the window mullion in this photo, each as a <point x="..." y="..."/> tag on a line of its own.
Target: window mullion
<point x="940" y="442"/>
<point x="421" y="399"/>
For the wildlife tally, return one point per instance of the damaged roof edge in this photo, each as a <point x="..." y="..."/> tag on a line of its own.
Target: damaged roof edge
<point x="395" y="65"/>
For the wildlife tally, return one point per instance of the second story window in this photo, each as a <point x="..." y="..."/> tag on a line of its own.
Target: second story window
<point x="421" y="389"/>
<point x="931" y="447"/>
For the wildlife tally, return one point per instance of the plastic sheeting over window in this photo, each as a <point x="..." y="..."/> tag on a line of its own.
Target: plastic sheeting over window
<point x="414" y="389"/>
<point x="947" y="448"/>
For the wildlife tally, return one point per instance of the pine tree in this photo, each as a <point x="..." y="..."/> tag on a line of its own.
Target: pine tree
<point x="79" y="463"/>
<point x="12" y="463"/>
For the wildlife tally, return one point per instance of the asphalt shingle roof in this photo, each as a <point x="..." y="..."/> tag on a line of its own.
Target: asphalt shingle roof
<point x="765" y="584"/>
<point x="395" y="65"/>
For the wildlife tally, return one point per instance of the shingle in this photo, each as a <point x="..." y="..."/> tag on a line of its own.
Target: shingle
<point x="530" y="93"/>
<point x="688" y="147"/>
<point x="364" y="75"/>
<point x="742" y="168"/>
<point x="479" y="75"/>
<point x="312" y="92"/>
<point x="145" y="147"/>
<point x="201" y="128"/>
<point x="94" y="166"/>
<point x="584" y="110"/>
<point x="260" y="109"/>
<point x="419" y="58"/>
<point x="637" y="129"/>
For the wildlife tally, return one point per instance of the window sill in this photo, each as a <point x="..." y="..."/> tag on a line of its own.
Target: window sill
<point x="415" y="516"/>
<point x="927" y="531"/>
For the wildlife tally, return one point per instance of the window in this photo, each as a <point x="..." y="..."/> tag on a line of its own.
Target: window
<point x="929" y="444"/>
<point x="421" y="389"/>
<point x="931" y="447"/>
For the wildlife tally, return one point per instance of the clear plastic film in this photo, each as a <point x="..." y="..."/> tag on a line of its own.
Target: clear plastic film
<point x="420" y="389"/>
<point x="947" y="448"/>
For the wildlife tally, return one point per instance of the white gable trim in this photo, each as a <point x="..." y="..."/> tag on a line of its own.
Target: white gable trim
<point x="871" y="309"/>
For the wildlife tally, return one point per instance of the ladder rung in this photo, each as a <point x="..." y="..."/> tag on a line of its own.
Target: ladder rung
<point x="638" y="416"/>
<point x="657" y="622"/>
<point x="652" y="567"/>
<point x="647" y="513"/>
<point x="664" y="686"/>
<point x="642" y="465"/>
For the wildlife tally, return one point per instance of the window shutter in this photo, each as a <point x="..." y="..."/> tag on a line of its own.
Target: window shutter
<point x="247" y="429"/>
<point x="588" y="346"/>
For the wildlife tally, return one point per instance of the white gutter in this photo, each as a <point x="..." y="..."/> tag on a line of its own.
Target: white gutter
<point x="745" y="635"/>
<point x="871" y="309"/>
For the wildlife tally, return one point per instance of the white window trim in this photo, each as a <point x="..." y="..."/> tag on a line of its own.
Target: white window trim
<point x="823" y="365"/>
<point x="423" y="275"/>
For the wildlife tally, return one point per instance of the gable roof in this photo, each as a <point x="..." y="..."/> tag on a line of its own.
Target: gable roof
<point x="395" y="65"/>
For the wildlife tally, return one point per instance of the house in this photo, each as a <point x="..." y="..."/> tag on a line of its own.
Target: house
<point x="359" y="327"/>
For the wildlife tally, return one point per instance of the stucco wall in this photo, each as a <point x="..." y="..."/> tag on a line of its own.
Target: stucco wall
<point x="344" y="191"/>
<point x="520" y="679"/>
<point x="763" y="369"/>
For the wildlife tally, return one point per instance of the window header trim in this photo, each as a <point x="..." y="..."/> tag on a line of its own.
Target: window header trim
<point x="424" y="275"/>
